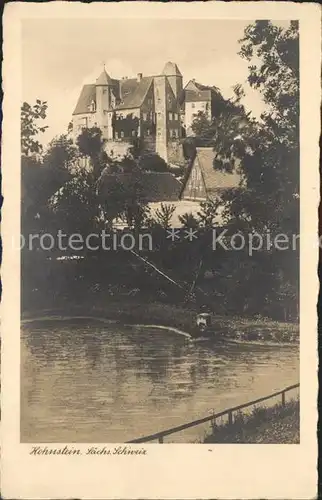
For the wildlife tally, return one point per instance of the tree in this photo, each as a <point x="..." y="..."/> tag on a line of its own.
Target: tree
<point x="163" y="215"/>
<point x="30" y="116"/>
<point x="121" y="192"/>
<point x="74" y="207"/>
<point x="266" y="154"/>
<point x="39" y="179"/>
<point x="61" y="153"/>
<point x="270" y="156"/>
<point x="90" y="144"/>
<point x="152" y="162"/>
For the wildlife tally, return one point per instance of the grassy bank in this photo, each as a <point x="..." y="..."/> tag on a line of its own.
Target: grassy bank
<point x="178" y="316"/>
<point x="273" y="425"/>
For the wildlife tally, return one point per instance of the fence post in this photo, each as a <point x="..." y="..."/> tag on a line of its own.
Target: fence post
<point x="230" y="418"/>
<point x="283" y="398"/>
<point x="161" y="439"/>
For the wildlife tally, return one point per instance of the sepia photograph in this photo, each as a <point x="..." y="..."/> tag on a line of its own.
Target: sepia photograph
<point x="160" y="248"/>
<point x="160" y="223"/>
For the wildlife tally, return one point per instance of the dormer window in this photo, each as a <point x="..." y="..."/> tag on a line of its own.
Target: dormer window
<point x="92" y="107"/>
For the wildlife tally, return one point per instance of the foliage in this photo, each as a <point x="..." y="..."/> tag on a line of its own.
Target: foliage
<point x="265" y="425"/>
<point x="120" y="189"/>
<point x="208" y="212"/>
<point x="30" y="116"/>
<point x="61" y="153"/>
<point x="265" y="152"/>
<point x="74" y="207"/>
<point x="152" y="162"/>
<point x="163" y="215"/>
<point x="90" y="144"/>
<point x="40" y="177"/>
<point x="269" y="155"/>
<point x="189" y="221"/>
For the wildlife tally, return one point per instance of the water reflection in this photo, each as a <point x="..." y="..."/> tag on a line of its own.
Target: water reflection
<point x="98" y="383"/>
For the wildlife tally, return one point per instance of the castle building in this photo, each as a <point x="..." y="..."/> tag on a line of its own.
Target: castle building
<point x="156" y="109"/>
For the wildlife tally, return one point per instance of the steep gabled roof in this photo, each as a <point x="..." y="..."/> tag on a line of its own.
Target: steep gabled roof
<point x="88" y="94"/>
<point x="136" y="94"/>
<point x="214" y="180"/>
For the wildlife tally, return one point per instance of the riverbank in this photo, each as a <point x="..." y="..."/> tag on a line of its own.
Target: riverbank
<point x="175" y="316"/>
<point x="274" y="425"/>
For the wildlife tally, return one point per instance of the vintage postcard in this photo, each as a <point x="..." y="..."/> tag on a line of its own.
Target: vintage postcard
<point x="160" y="236"/>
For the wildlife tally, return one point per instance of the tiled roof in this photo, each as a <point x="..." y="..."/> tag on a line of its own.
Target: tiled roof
<point x="128" y="86"/>
<point x="136" y="93"/>
<point x="88" y="94"/>
<point x="198" y="92"/>
<point x="132" y="92"/>
<point x="202" y="95"/>
<point x="215" y="180"/>
<point x="153" y="186"/>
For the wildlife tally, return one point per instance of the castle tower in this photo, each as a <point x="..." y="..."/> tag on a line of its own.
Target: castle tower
<point x="103" y="100"/>
<point x="160" y="100"/>
<point x="172" y="72"/>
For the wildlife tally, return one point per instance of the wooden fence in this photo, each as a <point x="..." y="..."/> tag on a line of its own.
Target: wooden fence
<point x="159" y="436"/>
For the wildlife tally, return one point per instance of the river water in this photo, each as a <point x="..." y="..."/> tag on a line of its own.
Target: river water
<point x="94" y="382"/>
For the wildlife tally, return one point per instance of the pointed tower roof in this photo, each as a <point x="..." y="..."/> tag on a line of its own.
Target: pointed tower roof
<point x="104" y="79"/>
<point x="171" y="69"/>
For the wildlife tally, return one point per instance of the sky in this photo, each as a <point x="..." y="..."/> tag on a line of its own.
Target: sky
<point x="60" y="55"/>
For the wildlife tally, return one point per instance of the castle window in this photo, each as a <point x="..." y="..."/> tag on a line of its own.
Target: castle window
<point x="116" y="135"/>
<point x="133" y="133"/>
<point x="145" y="116"/>
<point x="122" y="133"/>
<point x="170" y="116"/>
<point x="176" y="116"/>
<point x="147" y="131"/>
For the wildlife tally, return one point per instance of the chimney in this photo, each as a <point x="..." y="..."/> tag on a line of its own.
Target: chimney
<point x="139" y="78"/>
